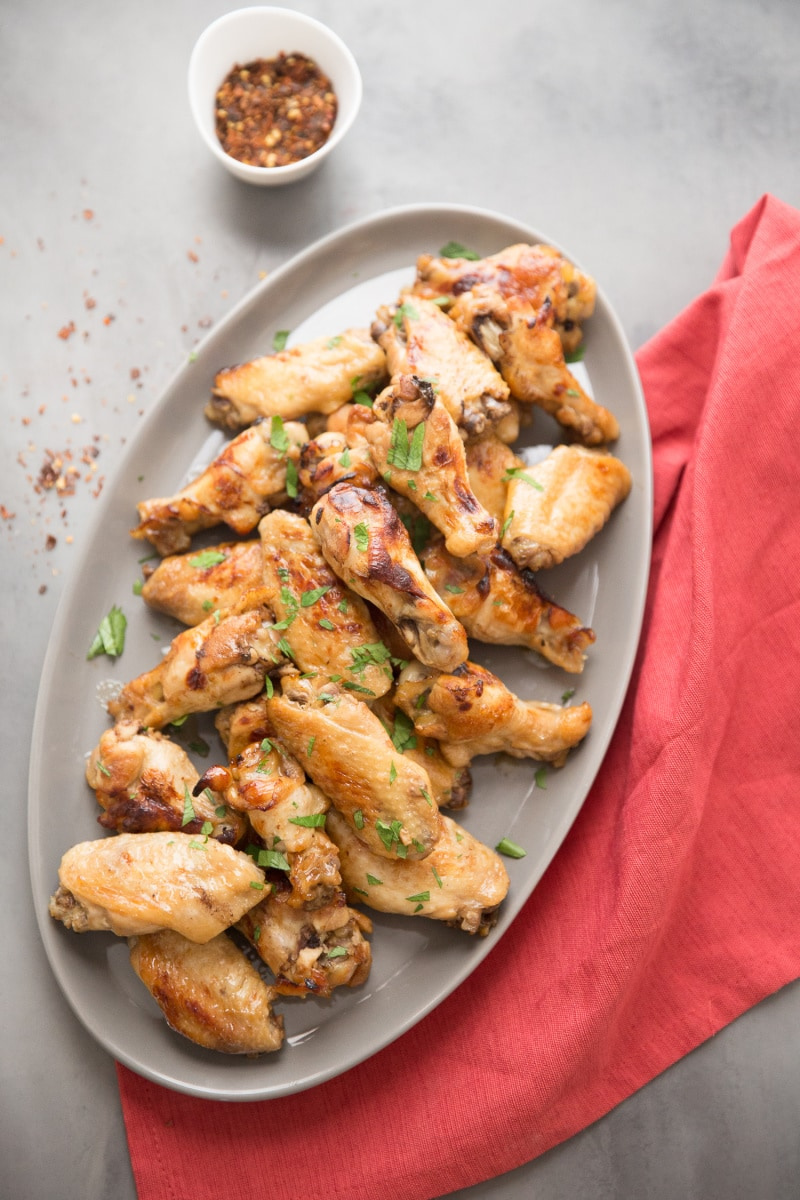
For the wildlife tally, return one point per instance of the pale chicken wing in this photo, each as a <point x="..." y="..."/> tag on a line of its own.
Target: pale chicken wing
<point x="144" y="783"/>
<point x="420" y="340"/>
<point x="316" y="377"/>
<point x="461" y="882"/>
<point x="310" y="952"/>
<point x="554" y="508"/>
<point x="329" y="459"/>
<point x="235" y="490"/>
<point x="450" y="786"/>
<point x="342" y="745"/>
<point x="136" y="883"/>
<point x="211" y="993"/>
<point x="472" y="712"/>
<point x="218" y="662"/>
<point x="417" y="449"/>
<point x="191" y="587"/>
<point x="327" y="628"/>
<point x="497" y="602"/>
<point x="367" y="545"/>
<point x="489" y="461"/>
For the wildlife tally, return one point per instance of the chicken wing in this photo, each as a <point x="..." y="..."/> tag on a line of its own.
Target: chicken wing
<point x="420" y="340"/>
<point x="191" y="587"/>
<point x="143" y="882"/>
<point x="310" y="952"/>
<point x="497" y="602"/>
<point x="144" y="783"/>
<point x="329" y="459"/>
<point x="461" y="882"/>
<point x="417" y="449"/>
<point x="472" y="712"/>
<point x="488" y="462"/>
<point x="316" y="377"/>
<point x="240" y="724"/>
<point x="554" y="508"/>
<point x="218" y="662"/>
<point x="366" y="544"/>
<point x="235" y="490"/>
<point x="342" y="745"/>
<point x="267" y="784"/>
<point x="450" y="786"/>
<point x="327" y="627"/>
<point x="211" y="993"/>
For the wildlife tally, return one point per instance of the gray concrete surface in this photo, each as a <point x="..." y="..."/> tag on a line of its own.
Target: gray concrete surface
<point x="635" y="134"/>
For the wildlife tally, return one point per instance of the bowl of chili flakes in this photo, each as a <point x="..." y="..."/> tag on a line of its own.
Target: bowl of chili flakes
<point x="272" y="92"/>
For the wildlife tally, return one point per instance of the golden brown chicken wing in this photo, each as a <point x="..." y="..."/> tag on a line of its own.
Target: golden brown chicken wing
<point x="329" y="459"/>
<point x="450" y="786"/>
<point x="218" y="662"/>
<point x="144" y="783"/>
<point x="316" y="377"/>
<point x="417" y="449"/>
<point x="342" y="745"/>
<point x="367" y="545"/>
<point x="461" y="882"/>
<point x="235" y="490"/>
<point x="326" y="627"/>
<point x="488" y="462"/>
<point x="419" y="340"/>
<point x="310" y="952"/>
<point x="192" y="587"/>
<point x="472" y="712"/>
<point x="554" y="508"/>
<point x="497" y="602"/>
<point x="141" y="882"/>
<point x="211" y="993"/>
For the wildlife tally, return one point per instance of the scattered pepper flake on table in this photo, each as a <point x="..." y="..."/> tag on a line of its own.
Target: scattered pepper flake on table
<point x="272" y="112"/>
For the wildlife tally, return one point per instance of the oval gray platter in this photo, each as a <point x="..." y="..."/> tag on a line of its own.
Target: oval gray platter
<point x="416" y="963"/>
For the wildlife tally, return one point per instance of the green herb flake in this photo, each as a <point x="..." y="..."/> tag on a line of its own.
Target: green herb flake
<point x="101" y="766"/>
<point x="360" y="891"/>
<point x="402" y="850"/>
<point x="418" y="908"/>
<point x="201" y="747"/>
<point x="506" y="523"/>
<point x="442" y="301"/>
<point x="257" y="934"/>
<point x="206" y="559"/>
<point x="373" y="881"/>
<point x="312" y="821"/>
<point x="389" y="834"/>
<point x="407" y="311"/>
<point x="137" y="587"/>
<point x="280" y="339"/>
<point x="420" y="898"/>
<point x="451" y="587"/>
<point x="221" y="811"/>
<point x="541" y="778"/>
<point x="418" y="528"/>
<point x="342" y="605"/>
<point x="403" y="735"/>
<point x="285" y="649"/>
<point x="337" y="952"/>
<point x="291" y="479"/>
<point x="361" y="535"/>
<point x="437" y="877"/>
<point x="358" y="819"/>
<point x="311" y="597"/>
<point x="310" y="748"/>
<point x="273" y="859"/>
<point x="110" y="636"/>
<point x="576" y="355"/>
<point x="572" y="392"/>
<point x="278" y="437"/>
<point x="188" y="807"/>
<point x="430" y="496"/>
<point x="363" y="398"/>
<point x="427" y="796"/>
<point x="207" y="829"/>
<point x="258" y="886"/>
<point x="521" y="473"/>
<point x="392" y="772"/>
<point x="269" y="688"/>
<point x="405" y="452"/>
<point x="510" y="849"/>
<point x="352" y="686"/>
<point x="456" y="250"/>
<point x="344" y="457"/>
<point x="266" y="746"/>
<point x="207" y="605"/>
<point x="333" y="342"/>
<point x="567" y="695"/>
<point x="192" y="356"/>
<point x="176" y="724"/>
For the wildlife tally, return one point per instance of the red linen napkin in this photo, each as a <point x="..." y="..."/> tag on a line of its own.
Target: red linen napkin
<point x="674" y="903"/>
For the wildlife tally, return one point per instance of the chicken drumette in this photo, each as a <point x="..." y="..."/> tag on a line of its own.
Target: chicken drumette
<point x="191" y="587"/>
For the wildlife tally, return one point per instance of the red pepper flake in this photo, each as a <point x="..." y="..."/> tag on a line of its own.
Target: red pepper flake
<point x="5" y="514"/>
<point x="135" y="372"/>
<point x="51" y="542"/>
<point x="88" y="214"/>
<point x="90" y="302"/>
<point x="192" y="257"/>
<point x="271" y="112"/>
<point x="66" y="331"/>
<point x="107" y="320"/>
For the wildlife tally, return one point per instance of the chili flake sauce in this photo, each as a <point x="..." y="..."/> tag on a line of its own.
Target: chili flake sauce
<point x="271" y="112"/>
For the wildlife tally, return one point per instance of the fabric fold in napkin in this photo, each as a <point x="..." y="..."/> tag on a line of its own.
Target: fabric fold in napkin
<point x="674" y="903"/>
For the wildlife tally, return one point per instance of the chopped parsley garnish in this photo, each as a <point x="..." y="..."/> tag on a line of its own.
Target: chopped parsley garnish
<point x="206" y="558"/>
<point x="207" y="605"/>
<point x="418" y="528"/>
<point x="278" y="438"/>
<point x="138" y="584"/>
<point x="291" y="479"/>
<point x="310" y="747"/>
<point x="373" y="881"/>
<point x="257" y="933"/>
<point x="266" y="745"/>
<point x="368" y="653"/>
<point x="430" y="496"/>
<point x="576" y="355"/>
<point x="567" y="695"/>
<point x="405" y="452"/>
<point x="541" y="778"/>
<point x="510" y="849"/>
<point x="361" y="534"/>
<point x="420" y="898"/>
<point x="437" y="877"/>
<point x="392" y="772"/>
<point x="427" y="796"/>
<point x="312" y="821"/>
<point x="342" y="605"/>
<point x="456" y="250"/>
<point x="389" y="834"/>
<point x="188" y="807"/>
<point x="207" y="829"/>
<point x="521" y="473"/>
<point x="221" y="811"/>
<point x="311" y="597"/>
<point x="326" y="624"/>
<point x="285" y="648"/>
<point x="337" y="952"/>
<point x="101" y="766"/>
<point x="110" y="636"/>
<point x="572" y="392"/>
<point x="195" y="845"/>
<point x="506" y="523"/>
<point x="255" y="883"/>
<point x="358" y="819"/>
<point x="201" y="747"/>
<point x="451" y="587"/>
<point x="280" y="339"/>
<point x="405" y="310"/>
<point x="356" y="687"/>
<point x="360" y="891"/>
<point x="269" y="688"/>
<point x="273" y="859"/>
<point x="333" y="342"/>
<point x="344" y="457"/>
<point x="363" y="398"/>
<point x="403" y="735"/>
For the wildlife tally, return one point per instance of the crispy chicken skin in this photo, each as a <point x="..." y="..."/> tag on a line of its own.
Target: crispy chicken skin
<point x="235" y="490"/>
<point x="367" y="545"/>
<point x="210" y="993"/>
<point x="141" y="780"/>
<point x="218" y="662"/>
<point x="500" y="603"/>
<point x="182" y="587"/>
<point x="488" y="462"/>
<point x="576" y="491"/>
<point x="472" y="712"/>
<point x="303" y="948"/>
<point x="461" y="881"/>
<point x="331" y="633"/>
<point x="420" y="340"/>
<point x="450" y="786"/>
<point x="141" y="882"/>
<point x="432" y="475"/>
<point x="329" y="459"/>
<point x="240" y="724"/>
<point x="342" y="745"/>
<point x="316" y="377"/>
<point x="267" y="784"/>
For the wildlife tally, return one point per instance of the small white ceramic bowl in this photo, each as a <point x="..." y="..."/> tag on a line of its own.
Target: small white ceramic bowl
<point x="250" y="33"/>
